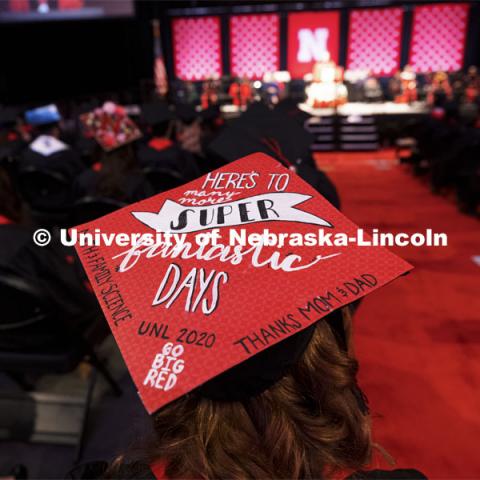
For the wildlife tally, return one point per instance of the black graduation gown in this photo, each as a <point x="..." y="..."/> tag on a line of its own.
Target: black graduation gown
<point x="171" y="157"/>
<point x="137" y="470"/>
<point x="66" y="162"/>
<point x="55" y="271"/>
<point x="135" y="187"/>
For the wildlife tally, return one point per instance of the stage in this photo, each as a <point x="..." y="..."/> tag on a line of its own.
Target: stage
<point x="362" y="109"/>
<point x="355" y="126"/>
<point x="368" y="109"/>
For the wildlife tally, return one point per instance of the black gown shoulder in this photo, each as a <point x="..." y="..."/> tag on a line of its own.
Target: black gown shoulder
<point x="66" y="162"/>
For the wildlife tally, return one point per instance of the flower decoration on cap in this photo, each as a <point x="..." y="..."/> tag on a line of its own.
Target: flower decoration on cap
<point x="110" y="125"/>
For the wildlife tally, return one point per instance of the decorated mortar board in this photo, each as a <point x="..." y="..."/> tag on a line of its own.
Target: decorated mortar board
<point x="214" y="319"/>
<point x="43" y="115"/>
<point x="111" y="127"/>
<point x="156" y="112"/>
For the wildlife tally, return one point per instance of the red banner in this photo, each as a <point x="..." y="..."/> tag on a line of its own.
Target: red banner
<point x="310" y="35"/>
<point x="254" y="45"/>
<point x="197" y="48"/>
<point x="438" y="37"/>
<point x="374" y="40"/>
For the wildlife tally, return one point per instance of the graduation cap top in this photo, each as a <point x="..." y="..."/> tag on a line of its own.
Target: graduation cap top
<point x="43" y="115"/>
<point x="185" y="313"/>
<point x="110" y="125"/>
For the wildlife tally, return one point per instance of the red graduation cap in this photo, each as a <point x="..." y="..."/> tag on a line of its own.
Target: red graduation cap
<point x="183" y="313"/>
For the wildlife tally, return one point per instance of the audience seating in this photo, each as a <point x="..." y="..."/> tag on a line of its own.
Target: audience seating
<point x="24" y="310"/>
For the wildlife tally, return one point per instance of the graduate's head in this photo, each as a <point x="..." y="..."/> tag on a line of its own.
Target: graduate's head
<point x="158" y="118"/>
<point x="52" y="129"/>
<point x="45" y="120"/>
<point x="307" y="424"/>
<point x="116" y="166"/>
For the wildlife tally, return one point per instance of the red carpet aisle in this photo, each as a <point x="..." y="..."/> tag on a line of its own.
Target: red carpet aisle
<point x="418" y="340"/>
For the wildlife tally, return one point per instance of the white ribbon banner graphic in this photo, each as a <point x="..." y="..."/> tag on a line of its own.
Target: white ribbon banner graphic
<point x="176" y="218"/>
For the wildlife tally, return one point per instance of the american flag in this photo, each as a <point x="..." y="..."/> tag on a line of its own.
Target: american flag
<point x="160" y="74"/>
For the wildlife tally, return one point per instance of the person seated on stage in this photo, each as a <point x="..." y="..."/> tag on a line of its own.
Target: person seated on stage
<point x="472" y="77"/>
<point x="327" y="89"/>
<point x="116" y="174"/>
<point x="372" y="89"/>
<point x="209" y="95"/>
<point x="52" y="269"/>
<point x="271" y="90"/>
<point x="241" y="92"/>
<point x="471" y="85"/>
<point x="159" y="150"/>
<point x="394" y="86"/>
<point x="47" y="152"/>
<point x="408" y="82"/>
<point x="441" y="91"/>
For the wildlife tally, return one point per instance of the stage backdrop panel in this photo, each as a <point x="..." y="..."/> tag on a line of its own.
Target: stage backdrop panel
<point x="310" y="34"/>
<point x="254" y="45"/>
<point x="438" y="37"/>
<point x="197" y="47"/>
<point x="374" y="40"/>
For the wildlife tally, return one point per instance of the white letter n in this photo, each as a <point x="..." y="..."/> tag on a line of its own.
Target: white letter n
<point x="312" y="44"/>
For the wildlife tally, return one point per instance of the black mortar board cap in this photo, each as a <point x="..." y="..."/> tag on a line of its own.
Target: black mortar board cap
<point x="263" y="130"/>
<point x="156" y="112"/>
<point x="255" y="375"/>
<point x="289" y="106"/>
<point x="186" y="113"/>
<point x="210" y="113"/>
<point x="8" y="116"/>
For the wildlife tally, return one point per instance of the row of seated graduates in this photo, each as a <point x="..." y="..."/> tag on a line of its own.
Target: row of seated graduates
<point x="447" y="149"/>
<point x="65" y="176"/>
<point x="68" y="174"/>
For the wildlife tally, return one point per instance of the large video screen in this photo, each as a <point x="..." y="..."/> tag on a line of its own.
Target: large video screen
<point x="41" y="10"/>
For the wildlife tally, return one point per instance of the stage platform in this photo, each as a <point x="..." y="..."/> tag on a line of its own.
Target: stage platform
<point x="355" y="126"/>
<point x="349" y="109"/>
<point x="368" y="109"/>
